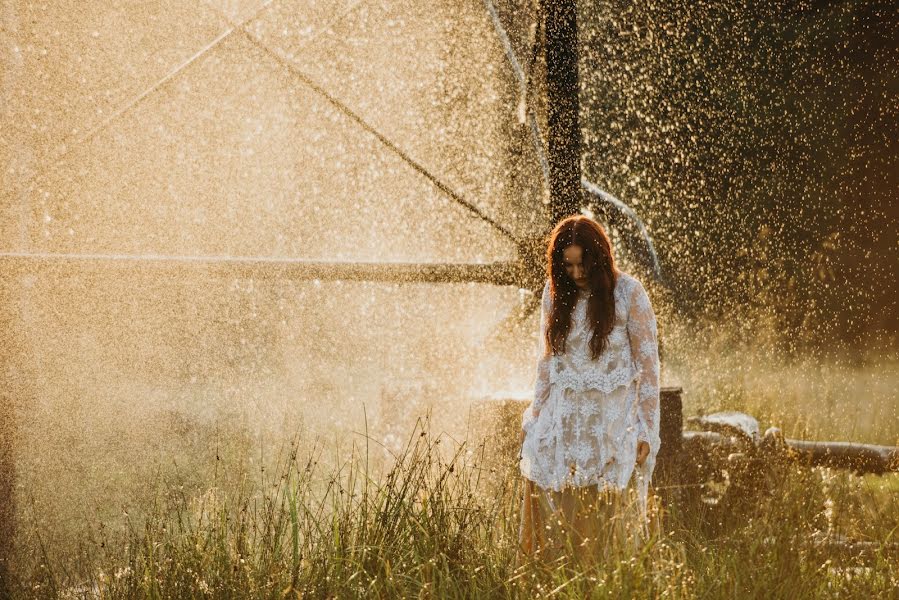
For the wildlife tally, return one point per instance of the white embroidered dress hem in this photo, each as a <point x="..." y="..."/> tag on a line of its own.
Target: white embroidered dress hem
<point x="587" y="416"/>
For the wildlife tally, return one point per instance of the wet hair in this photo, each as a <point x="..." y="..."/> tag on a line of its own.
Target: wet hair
<point x="601" y="275"/>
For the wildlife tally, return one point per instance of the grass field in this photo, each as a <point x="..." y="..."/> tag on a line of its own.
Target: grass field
<point x="320" y="520"/>
<point x="435" y="526"/>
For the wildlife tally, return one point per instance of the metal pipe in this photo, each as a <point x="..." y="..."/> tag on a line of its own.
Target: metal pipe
<point x="562" y="101"/>
<point x="861" y="458"/>
<point x="497" y="273"/>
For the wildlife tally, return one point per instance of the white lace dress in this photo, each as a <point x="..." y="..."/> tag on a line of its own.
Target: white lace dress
<point x="587" y="416"/>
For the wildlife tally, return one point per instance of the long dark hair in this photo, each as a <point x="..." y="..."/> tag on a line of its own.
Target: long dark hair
<point x="601" y="274"/>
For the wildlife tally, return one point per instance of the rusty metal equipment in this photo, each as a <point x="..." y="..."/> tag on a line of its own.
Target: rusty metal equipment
<point x="725" y="465"/>
<point x="731" y="441"/>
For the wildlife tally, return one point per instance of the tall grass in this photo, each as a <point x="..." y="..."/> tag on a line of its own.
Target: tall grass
<point x="431" y="522"/>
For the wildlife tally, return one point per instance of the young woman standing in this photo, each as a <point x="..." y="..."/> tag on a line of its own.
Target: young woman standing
<point x="593" y="423"/>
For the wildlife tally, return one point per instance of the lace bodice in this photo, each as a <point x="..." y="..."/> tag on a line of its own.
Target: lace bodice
<point x="587" y="416"/>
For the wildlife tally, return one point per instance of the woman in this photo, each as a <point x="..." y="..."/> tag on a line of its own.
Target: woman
<point x="594" y="419"/>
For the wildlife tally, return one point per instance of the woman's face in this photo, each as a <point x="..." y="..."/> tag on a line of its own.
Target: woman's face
<point x="574" y="266"/>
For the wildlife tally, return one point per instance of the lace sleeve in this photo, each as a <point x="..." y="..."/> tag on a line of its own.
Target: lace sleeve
<point x="643" y="334"/>
<point x="541" y="385"/>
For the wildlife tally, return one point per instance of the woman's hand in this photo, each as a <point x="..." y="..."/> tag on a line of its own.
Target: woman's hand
<point x="642" y="452"/>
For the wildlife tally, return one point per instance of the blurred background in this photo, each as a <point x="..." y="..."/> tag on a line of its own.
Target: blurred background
<point x="760" y="142"/>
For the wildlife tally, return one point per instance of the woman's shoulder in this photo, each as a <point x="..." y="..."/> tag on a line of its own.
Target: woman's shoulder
<point x="546" y="298"/>
<point x="625" y="281"/>
<point x="629" y="288"/>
